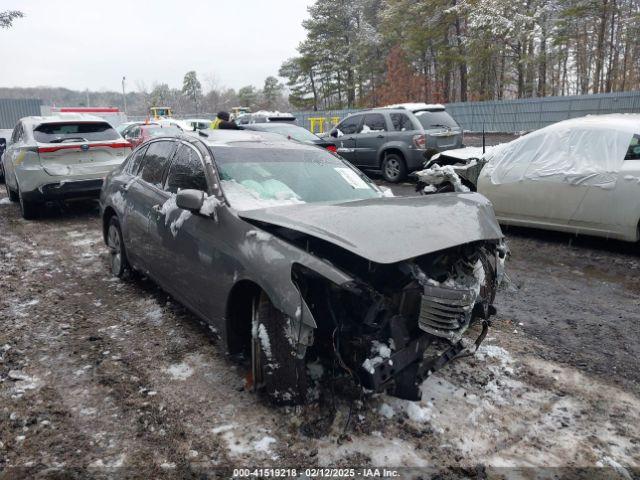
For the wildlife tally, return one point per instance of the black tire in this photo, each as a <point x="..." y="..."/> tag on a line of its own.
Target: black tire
<point x="118" y="261"/>
<point x="279" y="375"/>
<point x="394" y="168"/>
<point x="13" y="196"/>
<point x="30" y="210"/>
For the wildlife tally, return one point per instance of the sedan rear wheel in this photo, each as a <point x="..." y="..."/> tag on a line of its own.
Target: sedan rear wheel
<point x="117" y="255"/>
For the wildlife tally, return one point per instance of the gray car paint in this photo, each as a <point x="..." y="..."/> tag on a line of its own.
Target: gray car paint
<point x="209" y="256"/>
<point x="367" y="150"/>
<point x="389" y="230"/>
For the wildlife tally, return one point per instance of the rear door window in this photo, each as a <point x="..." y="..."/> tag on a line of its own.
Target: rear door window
<point x="401" y="122"/>
<point x="155" y="162"/>
<point x="350" y="125"/>
<point x="75" y="132"/>
<point x="186" y="171"/>
<point x="374" y="122"/>
<point x="133" y="165"/>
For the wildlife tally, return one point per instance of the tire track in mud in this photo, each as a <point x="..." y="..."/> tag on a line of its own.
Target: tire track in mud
<point x="75" y="346"/>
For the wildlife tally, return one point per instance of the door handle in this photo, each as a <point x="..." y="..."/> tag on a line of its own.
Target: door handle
<point x="380" y="136"/>
<point x="157" y="209"/>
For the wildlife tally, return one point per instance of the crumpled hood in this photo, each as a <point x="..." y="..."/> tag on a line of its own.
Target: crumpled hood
<point x="389" y="230"/>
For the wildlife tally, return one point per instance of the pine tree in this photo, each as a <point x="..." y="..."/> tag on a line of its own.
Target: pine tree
<point x="191" y="88"/>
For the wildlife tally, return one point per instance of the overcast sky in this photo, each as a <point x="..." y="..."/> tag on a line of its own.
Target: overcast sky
<point x="92" y="44"/>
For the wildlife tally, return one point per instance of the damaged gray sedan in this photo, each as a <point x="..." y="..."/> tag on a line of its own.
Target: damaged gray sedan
<point x="298" y="258"/>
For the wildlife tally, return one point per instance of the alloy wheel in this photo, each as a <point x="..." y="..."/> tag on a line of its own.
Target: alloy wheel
<point x="392" y="168"/>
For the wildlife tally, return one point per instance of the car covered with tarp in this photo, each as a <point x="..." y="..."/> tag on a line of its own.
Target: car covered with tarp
<point x="580" y="175"/>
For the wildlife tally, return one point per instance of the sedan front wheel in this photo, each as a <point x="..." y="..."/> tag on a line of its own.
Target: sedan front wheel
<point x="278" y="373"/>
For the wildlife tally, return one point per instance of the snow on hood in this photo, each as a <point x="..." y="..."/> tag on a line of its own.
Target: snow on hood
<point x="389" y="230"/>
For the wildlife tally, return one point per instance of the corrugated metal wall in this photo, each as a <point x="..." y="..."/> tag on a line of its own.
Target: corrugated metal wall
<point x="496" y="116"/>
<point x="513" y="115"/>
<point x="12" y="110"/>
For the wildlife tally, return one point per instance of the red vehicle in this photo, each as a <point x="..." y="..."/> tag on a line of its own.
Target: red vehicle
<point x="141" y="133"/>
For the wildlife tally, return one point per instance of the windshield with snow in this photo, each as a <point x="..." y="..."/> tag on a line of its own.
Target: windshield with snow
<point x="436" y="119"/>
<point x="255" y="178"/>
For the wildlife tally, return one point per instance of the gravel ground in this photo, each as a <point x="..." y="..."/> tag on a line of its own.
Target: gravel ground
<point x="115" y="378"/>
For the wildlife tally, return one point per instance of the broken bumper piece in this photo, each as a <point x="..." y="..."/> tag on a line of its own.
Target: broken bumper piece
<point x="402" y="373"/>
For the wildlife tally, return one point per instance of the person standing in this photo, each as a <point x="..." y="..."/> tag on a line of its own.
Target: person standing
<point x="223" y="122"/>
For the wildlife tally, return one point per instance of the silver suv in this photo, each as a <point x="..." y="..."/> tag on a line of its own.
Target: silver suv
<point x="60" y="157"/>
<point x="396" y="140"/>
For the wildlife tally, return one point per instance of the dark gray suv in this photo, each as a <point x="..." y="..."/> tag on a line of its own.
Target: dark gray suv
<point x="396" y="140"/>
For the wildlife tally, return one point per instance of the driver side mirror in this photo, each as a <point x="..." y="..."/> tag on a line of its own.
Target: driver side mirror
<point x="191" y="200"/>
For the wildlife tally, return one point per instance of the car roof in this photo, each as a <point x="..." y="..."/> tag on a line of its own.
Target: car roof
<point x="157" y="125"/>
<point x="62" y="117"/>
<point x="196" y="120"/>
<point x="629" y="122"/>
<point x="416" y="107"/>
<point x="270" y="126"/>
<point x="240" y="138"/>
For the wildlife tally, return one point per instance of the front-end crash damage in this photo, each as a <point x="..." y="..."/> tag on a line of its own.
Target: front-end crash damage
<point x="398" y="323"/>
<point x="390" y="320"/>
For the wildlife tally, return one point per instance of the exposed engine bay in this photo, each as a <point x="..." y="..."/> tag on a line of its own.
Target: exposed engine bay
<point x="395" y="324"/>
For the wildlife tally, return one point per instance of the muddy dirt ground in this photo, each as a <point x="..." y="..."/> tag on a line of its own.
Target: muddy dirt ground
<point x="116" y="379"/>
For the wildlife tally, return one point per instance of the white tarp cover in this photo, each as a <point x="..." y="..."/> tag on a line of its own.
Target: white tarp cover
<point x="581" y="151"/>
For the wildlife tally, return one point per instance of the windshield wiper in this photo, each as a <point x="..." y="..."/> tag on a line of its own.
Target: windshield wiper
<point x="68" y="139"/>
<point x="440" y="125"/>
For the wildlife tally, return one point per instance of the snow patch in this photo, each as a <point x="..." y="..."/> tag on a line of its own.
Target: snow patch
<point x="264" y="444"/>
<point x="263" y="335"/>
<point x="209" y="207"/>
<point x="178" y="222"/>
<point x="258" y="235"/>
<point x="437" y="175"/>
<point x="386" y="411"/>
<point x="380" y="352"/>
<point x="180" y="371"/>
<point x="19" y="309"/>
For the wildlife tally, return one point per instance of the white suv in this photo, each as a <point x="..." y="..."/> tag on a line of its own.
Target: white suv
<point x="60" y="157"/>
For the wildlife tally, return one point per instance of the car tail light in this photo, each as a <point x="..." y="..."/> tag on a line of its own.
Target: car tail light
<point x="420" y="141"/>
<point x="79" y="147"/>
<point x="332" y="148"/>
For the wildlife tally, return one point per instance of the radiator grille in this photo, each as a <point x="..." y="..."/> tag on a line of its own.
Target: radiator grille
<point x="444" y="311"/>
